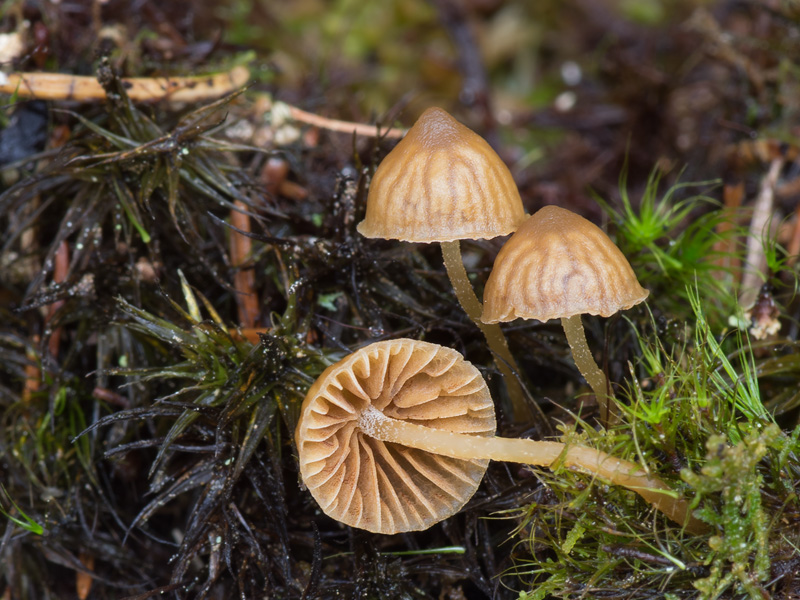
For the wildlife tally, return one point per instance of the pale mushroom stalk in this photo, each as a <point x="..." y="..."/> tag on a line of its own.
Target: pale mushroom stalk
<point x="576" y="337"/>
<point x="451" y="253"/>
<point x="377" y="425"/>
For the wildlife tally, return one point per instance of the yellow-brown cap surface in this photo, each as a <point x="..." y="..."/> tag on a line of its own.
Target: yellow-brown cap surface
<point x="559" y="265"/>
<point x="382" y="486"/>
<point x="441" y="183"/>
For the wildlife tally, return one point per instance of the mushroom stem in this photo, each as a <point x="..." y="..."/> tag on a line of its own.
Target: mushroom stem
<point x="576" y="337"/>
<point x="375" y="424"/>
<point x="451" y="253"/>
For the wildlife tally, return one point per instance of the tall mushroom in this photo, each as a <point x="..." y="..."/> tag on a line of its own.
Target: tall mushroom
<point x="443" y="183"/>
<point x="396" y="437"/>
<point x="558" y="265"/>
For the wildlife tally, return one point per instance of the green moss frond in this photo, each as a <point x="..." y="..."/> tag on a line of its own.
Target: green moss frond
<point x="670" y="251"/>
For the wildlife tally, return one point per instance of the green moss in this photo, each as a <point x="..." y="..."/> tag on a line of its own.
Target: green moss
<point x="739" y="551"/>
<point x="670" y="251"/>
<point x="694" y="416"/>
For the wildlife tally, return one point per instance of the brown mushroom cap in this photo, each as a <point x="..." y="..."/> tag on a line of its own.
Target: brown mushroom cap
<point x="441" y="183"/>
<point x="559" y="265"/>
<point x="382" y="486"/>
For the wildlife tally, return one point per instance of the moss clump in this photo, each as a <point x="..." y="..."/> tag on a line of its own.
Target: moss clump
<point x="694" y="416"/>
<point x="740" y="553"/>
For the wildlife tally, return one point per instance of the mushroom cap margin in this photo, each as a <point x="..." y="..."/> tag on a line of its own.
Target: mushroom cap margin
<point x="558" y="265"/>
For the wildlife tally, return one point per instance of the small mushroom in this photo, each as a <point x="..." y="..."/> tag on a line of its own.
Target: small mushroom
<point x="443" y="183"/>
<point x="558" y="265"/>
<point x="396" y="437"/>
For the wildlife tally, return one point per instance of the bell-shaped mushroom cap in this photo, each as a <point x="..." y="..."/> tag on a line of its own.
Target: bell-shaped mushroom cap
<point x="381" y="486"/>
<point x="441" y="183"/>
<point x="559" y="265"/>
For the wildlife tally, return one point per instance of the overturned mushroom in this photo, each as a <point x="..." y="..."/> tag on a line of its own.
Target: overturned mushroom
<point x="395" y="437"/>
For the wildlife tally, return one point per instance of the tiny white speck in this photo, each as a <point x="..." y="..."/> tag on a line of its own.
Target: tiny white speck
<point x="571" y="73"/>
<point x="565" y="101"/>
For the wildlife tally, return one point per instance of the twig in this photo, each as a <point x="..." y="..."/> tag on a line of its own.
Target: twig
<point x="60" y="86"/>
<point x="759" y="225"/>
<point x="60" y="271"/>
<point x="284" y="110"/>
<point x="244" y="277"/>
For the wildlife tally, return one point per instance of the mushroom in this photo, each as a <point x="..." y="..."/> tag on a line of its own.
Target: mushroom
<point x="558" y="265"/>
<point x="444" y="183"/>
<point x="396" y="437"/>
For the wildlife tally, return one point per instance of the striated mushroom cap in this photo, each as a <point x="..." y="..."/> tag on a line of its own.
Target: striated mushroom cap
<point x="382" y="486"/>
<point x="441" y="183"/>
<point x="559" y="265"/>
